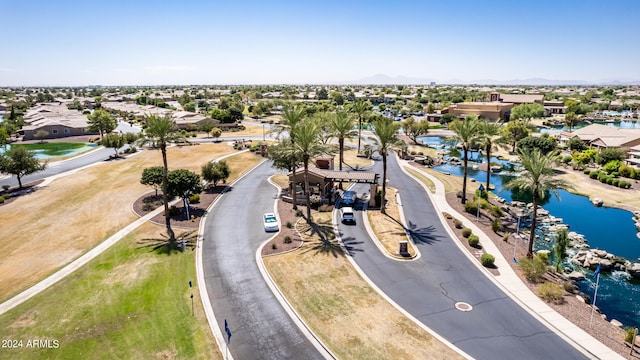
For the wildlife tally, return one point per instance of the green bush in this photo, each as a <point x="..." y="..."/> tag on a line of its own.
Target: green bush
<point x="287" y="239"/>
<point x="194" y="199"/>
<point x="496" y="225"/>
<point x="615" y="182"/>
<point x="298" y="213"/>
<point x="505" y="237"/>
<point x="2" y="200"/>
<point x="609" y="180"/>
<point x="487" y="260"/>
<point x="289" y="225"/>
<point x="629" y="333"/>
<point x="544" y="257"/>
<point x="274" y="246"/>
<point x="550" y="292"/>
<point x="533" y="268"/>
<point x="466" y="232"/>
<point x="594" y="174"/>
<point x="471" y="207"/>
<point x="495" y="211"/>
<point x="567" y="159"/>
<point x="586" y="171"/>
<point x="457" y="223"/>
<point x="474" y="241"/>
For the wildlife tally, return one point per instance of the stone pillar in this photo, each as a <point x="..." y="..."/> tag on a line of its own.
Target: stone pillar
<point x="372" y="195"/>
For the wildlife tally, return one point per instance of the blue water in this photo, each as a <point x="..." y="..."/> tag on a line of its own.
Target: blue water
<point x="604" y="228"/>
<point x="42" y="156"/>
<point x="623" y="124"/>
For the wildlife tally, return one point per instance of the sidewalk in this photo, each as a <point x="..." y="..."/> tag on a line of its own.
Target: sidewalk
<point x="511" y="284"/>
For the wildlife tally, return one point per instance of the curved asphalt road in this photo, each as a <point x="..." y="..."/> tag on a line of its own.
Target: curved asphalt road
<point x="261" y="329"/>
<point x="429" y="287"/>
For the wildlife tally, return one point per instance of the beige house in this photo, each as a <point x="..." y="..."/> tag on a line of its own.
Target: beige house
<point x="493" y="110"/>
<point x="517" y="99"/>
<point x="56" y="120"/>
<point x="603" y="136"/>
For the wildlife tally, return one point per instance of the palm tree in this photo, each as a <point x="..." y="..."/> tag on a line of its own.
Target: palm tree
<point x="342" y="126"/>
<point x="387" y="131"/>
<point x="538" y="179"/>
<point x="360" y="107"/>
<point x="161" y="131"/>
<point x="467" y="133"/>
<point x="307" y="145"/>
<point x="292" y="115"/>
<point x="489" y="133"/>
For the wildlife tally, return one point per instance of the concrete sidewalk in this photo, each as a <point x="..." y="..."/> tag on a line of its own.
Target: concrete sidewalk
<point x="511" y="283"/>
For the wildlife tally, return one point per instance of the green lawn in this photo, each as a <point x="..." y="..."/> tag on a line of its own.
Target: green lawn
<point x="127" y="303"/>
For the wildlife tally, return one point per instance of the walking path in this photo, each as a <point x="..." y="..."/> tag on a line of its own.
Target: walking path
<point x="511" y="284"/>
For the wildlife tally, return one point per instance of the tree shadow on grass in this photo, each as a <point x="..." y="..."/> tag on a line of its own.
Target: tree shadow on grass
<point x="164" y="245"/>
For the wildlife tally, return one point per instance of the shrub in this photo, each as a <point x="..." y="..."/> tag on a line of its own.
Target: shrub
<point x="471" y="207"/>
<point x="466" y="232"/>
<point x="274" y="246"/>
<point x="457" y="223"/>
<point x="287" y="239"/>
<point x="496" y="225"/>
<point x="615" y="182"/>
<point x="194" y="199"/>
<point x="474" y="241"/>
<point x="586" y="171"/>
<point x="448" y="216"/>
<point x="315" y="200"/>
<point x="543" y="256"/>
<point x="487" y="260"/>
<point x="505" y="237"/>
<point x="2" y="200"/>
<point x="594" y="174"/>
<point x="289" y="225"/>
<point x="533" y="268"/>
<point x="567" y="159"/>
<point x="495" y="211"/>
<point x="298" y="213"/>
<point x="413" y="153"/>
<point x="551" y="292"/>
<point x="624" y="184"/>
<point x="612" y="166"/>
<point x="145" y="207"/>
<point x="629" y="333"/>
<point x="609" y="180"/>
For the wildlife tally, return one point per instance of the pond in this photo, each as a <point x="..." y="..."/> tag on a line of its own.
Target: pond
<point x="605" y="228"/>
<point x="52" y="150"/>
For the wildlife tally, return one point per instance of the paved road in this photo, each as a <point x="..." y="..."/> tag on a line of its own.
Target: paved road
<point x="232" y="234"/>
<point x="429" y="287"/>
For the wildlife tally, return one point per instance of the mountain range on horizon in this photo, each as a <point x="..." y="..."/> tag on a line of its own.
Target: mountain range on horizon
<point x="383" y="79"/>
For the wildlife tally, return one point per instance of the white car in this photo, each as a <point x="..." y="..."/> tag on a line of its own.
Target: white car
<point x="270" y="222"/>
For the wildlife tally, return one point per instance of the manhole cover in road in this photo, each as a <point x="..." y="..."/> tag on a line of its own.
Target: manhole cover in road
<point x="463" y="306"/>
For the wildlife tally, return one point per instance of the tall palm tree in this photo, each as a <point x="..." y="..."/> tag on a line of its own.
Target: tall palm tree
<point x="360" y="107"/>
<point x="489" y="133"/>
<point x="292" y="116"/>
<point x="387" y="131"/>
<point x="467" y="133"/>
<point x="161" y="131"/>
<point x="307" y="145"/>
<point x="538" y="179"/>
<point x="342" y="126"/>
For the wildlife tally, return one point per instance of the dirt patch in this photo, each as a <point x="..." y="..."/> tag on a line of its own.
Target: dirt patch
<point x="28" y="319"/>
<point x="129" y="272"/>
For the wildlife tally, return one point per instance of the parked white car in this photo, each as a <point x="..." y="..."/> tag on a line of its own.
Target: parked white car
<point x="270" y="222"/>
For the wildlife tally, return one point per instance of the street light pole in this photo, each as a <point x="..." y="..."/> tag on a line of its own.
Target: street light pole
<point x="516" y="237"/>
<point x="480" y="190"/>
<point x="263" y="138"/>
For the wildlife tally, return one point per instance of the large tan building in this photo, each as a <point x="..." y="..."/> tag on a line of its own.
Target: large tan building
<point x="494" y="110"/>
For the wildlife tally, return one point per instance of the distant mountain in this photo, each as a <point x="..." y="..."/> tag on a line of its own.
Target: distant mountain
<point x="382" y="79"/>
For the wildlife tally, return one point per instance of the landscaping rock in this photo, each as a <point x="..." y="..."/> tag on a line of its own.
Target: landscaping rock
<point x="597" y="202"/>
<point x="616" y="323"/>
<point x="576" y="276"/>
<point x="634" y="270"/>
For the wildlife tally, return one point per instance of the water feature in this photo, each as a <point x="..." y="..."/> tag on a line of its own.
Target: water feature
<point x="604" y="228"/>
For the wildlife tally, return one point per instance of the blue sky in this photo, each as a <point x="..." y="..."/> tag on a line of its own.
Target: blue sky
<point x="258" y="42"/>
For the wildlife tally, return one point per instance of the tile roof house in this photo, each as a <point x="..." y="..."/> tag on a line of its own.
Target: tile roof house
<point x="56" y="120"/>
<point x="603" y="136"/>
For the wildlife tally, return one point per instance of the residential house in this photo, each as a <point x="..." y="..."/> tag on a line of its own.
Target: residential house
<point x="494" y="110"/>
<point x="56" y="120"/>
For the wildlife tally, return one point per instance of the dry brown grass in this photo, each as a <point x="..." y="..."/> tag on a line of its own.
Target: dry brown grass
<point x="281" y="179"/>
<point x="348" y="315"/>
<point x="611" y="195"/>
<point x="250" y="130"/>
<point x="352" y="160"/>
<point x="49" y="228"/>
<point x="388" y="228"/>
<point x="425" y="180"/>
<point x="451" y="183"/>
